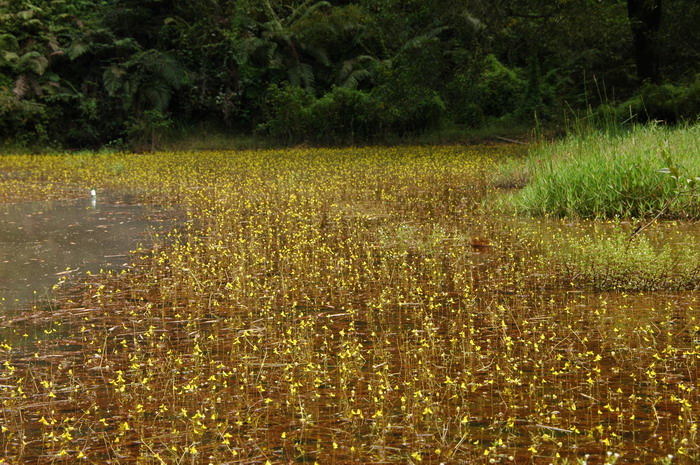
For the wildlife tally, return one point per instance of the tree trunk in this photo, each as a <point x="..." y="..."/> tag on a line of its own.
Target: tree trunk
<point x="645" y="20"/>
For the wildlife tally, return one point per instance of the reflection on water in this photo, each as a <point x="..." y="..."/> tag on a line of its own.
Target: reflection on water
<point x="41" y="241"/>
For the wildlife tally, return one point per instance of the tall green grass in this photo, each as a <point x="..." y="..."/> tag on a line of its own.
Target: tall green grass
<point x="603" y="175"/>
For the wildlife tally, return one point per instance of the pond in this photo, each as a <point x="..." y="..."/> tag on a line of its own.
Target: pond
<point x="370" y="305"/>
<point x="41" y="242"/>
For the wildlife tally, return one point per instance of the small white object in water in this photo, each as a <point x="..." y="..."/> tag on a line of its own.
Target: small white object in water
<point x="93" y="192"/>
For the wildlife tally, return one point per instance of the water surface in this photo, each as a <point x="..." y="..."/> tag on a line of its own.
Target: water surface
<point x="42" y="241"/>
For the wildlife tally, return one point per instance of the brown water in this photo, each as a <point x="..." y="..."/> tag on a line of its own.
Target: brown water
<point x="394" y="322"/>
<point x="42" y="242"/>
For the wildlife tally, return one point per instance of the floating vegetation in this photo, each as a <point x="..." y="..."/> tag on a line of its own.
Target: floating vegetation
<point x="337" y="306"/>
<point x="610" y="258"/>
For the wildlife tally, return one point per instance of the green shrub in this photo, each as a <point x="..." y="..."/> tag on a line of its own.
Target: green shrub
<point x="146" y="130"/>
<point x="538" y="96"/>
<point x="501" y="92"/>
<point x="663" y="102"/>
<point x="285" y="112"/>
<point x="22" y="122"/>
<point x="342" y="115"/>
<point x="462" y="101"/>
<point x="421" y="110"/>
<point x="688" y="106"/>
<point x="500" y="89"/>
<point x="407" y="107"/>
<point x="469" y="114"/>
<point x="345" y="115"/>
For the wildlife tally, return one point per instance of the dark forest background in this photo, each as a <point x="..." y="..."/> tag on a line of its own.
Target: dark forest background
<point x="89" y="74"/>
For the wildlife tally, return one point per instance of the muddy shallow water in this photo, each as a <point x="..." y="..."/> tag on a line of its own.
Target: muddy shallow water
<point x="41" y="242"/>
<point x="337" y="312"/>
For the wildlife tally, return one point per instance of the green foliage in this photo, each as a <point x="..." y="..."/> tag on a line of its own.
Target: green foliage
<point x="408" y="84"/>
<point x="146" y="81"/>
<point x="341" y="116"/>
<point x="463" y="102"/>
<point x="407" y="107"/>
<point x="52" y="53"/>
<point x="499" y="89"/>
<point x="146" y="131"/>
<point x="607" y="176"/>
<point x="684" y="183"/>
<point x="78" y="72"/>
<point x="286" y="111"/>
<point x="539" y="94"/>
<point x="663" y="102"/>
<point x="346" y="115"/>
<point x="24" y="122"/>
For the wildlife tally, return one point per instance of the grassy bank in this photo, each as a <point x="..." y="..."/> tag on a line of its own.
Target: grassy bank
<point x="209" y="137"/>
<point x="203" y="138"/>
<point x="597" y="175"/>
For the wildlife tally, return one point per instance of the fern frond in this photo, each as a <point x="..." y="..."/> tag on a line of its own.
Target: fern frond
<point x="77" y="48"/>
<point x="35" y="62"/>
<point x="112" y="78"/>
<point x="9" y="43"/>
<point x="22" y="86"/>
<point x="354" y="79"/>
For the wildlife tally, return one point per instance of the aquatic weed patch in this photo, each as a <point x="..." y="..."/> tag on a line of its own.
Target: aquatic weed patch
<point x="339" y="306"/>
<point x="609" y="258"/>
<point x="55" y="176"/>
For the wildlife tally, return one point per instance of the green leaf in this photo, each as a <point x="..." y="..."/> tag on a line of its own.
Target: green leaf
<point x="9" y="43"/>
<point x="53" y="77"/>
<point x="26" y="14"/>
<point x="127" y="44"/>
<point x="9" y="57"/>
<point x="35" y="62"/>
<point x="76" y="49"/>
<point x="112" y="79"/>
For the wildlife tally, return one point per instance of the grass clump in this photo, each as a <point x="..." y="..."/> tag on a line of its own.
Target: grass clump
<point x="597" y="175"/>
<point x="513" y="173"/>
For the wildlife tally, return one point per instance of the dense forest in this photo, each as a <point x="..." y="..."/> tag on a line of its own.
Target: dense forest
<point x="89" y="74"/>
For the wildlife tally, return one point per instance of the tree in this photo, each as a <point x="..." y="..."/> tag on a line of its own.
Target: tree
<point x="146" y="81"/>
<point x="645" y="21"/>
<point x="286" y="42"/>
